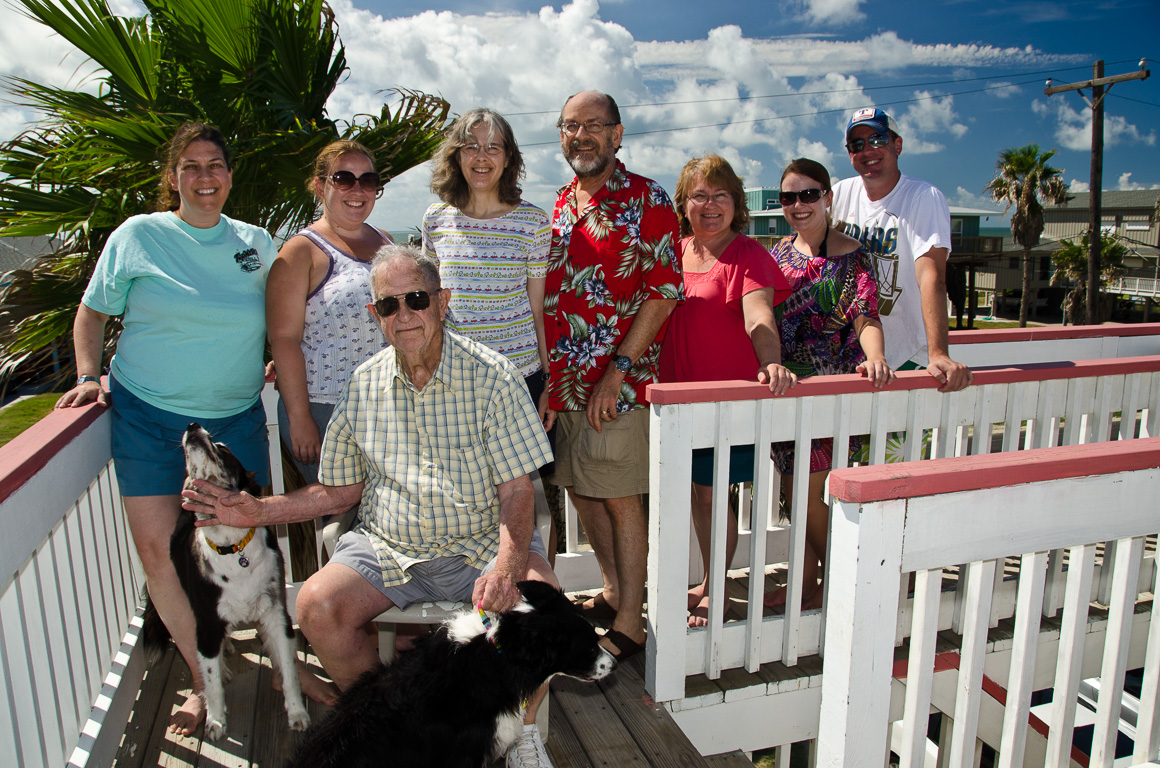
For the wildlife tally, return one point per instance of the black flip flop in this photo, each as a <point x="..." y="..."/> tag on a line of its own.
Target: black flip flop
<point x="598" y="609"/>
<point x="625" y="646"/>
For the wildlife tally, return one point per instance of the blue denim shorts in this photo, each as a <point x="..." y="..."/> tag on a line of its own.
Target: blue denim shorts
<point x="147" y="443"/>
<point x="740" y="465"/>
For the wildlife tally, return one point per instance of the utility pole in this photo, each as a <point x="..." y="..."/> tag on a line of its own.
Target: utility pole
<point x="1100" y="86"/>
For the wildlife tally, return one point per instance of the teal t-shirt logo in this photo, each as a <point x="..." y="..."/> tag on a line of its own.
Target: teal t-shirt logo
<point x="248" y="260"/>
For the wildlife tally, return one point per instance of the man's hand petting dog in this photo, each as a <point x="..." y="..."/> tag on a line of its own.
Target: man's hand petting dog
<point x="234" y="508"/>
<point x="496" y="592"/>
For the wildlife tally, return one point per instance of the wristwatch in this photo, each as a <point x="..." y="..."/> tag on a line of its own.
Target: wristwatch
<point x="623" y="363"/>
<point x="83" y="379"/>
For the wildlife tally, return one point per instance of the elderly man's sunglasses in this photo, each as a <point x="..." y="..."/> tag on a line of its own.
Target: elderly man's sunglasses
<point x="369" y="181"/>
<point x="877" y="141"/>
<point x="807" y="196"/>
<point x="416" y="301"/>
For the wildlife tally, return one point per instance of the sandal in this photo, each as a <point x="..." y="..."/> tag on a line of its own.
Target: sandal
<point x="597" y="608"/>
<point x="625" y="646"/>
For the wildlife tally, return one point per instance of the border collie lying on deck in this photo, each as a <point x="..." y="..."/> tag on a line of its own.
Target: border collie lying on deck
<point x="454" y="701"/>
<point x="231" y="575"/>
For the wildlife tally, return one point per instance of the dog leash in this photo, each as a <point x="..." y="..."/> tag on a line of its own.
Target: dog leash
<point x="242" y="560"/>
<point x="486" y="624"/>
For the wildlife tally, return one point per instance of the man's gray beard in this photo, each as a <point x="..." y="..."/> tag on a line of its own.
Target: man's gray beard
<point x="598" y="170"/>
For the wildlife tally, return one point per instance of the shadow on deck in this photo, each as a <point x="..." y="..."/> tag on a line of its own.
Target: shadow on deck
<point x="610" y="723"/>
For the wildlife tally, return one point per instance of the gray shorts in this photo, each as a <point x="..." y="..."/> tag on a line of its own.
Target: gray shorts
<point x="443" y="578"/>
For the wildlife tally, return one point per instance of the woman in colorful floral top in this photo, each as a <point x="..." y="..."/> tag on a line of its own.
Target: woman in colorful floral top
<point x="829" y="324"/>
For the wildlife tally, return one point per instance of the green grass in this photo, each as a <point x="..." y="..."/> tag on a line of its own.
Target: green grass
<point x="988" y="325"/>
<point x="22" y="414"/>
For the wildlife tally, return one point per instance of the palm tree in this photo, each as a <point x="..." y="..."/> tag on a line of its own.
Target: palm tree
<point x="261" y="70"/>
<point x="1022" y="176"/>
<point x="1071" y="266"/>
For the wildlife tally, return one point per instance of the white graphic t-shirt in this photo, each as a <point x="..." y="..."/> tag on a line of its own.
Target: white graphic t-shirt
<point x="897" y="230"/>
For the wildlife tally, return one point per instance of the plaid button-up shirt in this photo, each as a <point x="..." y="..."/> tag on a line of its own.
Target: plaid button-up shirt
<point x="431" y="459"/>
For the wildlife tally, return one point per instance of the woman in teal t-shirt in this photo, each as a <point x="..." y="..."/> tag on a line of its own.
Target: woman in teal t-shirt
<point x="189" y="285"/>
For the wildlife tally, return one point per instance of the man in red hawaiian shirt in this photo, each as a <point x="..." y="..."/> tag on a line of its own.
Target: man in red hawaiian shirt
<point x="613" y="279"/>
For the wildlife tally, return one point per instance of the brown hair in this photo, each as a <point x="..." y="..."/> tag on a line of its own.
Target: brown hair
<point x="447" y="179"/>
<point x="167" y="198"/>
<point x="329" y="155"/>
<point x="716" y="172"/>
<point x="803" y="166"/>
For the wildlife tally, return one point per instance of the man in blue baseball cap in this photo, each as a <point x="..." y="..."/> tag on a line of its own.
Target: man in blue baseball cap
<point x="905" y="224"/>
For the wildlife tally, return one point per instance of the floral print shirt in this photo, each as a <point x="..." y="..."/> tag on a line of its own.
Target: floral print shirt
<point x="605" y="262"/>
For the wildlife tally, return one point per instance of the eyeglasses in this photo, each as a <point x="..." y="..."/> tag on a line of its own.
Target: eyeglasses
<point x="877" y="141"/>
<point x="416" y="302"/>
<point x="720" y="198"/>
<point x="571" y="128"/>
<point x="807" y="196"/>
<point x="475" y="149"/>
<point x="369" y="181"/>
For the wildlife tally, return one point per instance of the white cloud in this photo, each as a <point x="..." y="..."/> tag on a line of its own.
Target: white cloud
<point x="968" y="199"/>
<point x="1125" y="182"/>
<point x="757" y="102"/>
<point x="834" y="12"/>
<point x="1073" y="128"/>
<point x="1078" y="186"/>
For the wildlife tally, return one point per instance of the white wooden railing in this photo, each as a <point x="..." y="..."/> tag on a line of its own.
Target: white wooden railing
<point x="70" y="581"/>
<point x="1134" y="286"/>
<point x="68" y="595"/>
<point x="1039" y="405"/>
<point x="1017" y="346"/>
<point x="945" y="514"/>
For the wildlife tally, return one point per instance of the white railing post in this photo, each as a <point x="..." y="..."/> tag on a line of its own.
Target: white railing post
<point x="670" y="482"/>
<point x="866" y="548"/>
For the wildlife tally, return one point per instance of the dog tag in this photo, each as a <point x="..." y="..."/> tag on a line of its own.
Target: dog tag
<point x="242" y="561"/>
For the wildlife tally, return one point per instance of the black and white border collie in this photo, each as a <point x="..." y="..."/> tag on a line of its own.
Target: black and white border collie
<point x="455" y="700"/>
<point x="231" y="576"/>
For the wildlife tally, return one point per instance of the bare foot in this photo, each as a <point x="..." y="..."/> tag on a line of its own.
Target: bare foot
<point x="699" y="614"/>
<point x="696" y="595"/>
<point x="189" y="716"/>
<point x="775" y="599"/>
<point x="313" y="686"/>
<point x="811" y="599"/>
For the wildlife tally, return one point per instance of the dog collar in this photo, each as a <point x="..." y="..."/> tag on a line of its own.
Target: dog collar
<point x="242" y="561"/>
<point x="486" y="624"/>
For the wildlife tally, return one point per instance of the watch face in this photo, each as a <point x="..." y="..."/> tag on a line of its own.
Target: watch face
<point x="623" y="363"/>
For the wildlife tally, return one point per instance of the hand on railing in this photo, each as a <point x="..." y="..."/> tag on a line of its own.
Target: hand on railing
<point x="952" y="375"/>
<point x="877" y="371"/>
<point x="779" y="378"/>
<point x="82" y="394"/>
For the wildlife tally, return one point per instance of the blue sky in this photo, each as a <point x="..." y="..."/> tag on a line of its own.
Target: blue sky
<point x="760" y="83"/>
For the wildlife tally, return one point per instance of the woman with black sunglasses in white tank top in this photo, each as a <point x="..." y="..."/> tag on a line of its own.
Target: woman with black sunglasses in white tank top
<point x="317" y="295"/>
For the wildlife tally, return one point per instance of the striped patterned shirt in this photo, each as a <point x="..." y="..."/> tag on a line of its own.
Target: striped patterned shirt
<point x="431" y="459"/>
<point x="486" y="264"/>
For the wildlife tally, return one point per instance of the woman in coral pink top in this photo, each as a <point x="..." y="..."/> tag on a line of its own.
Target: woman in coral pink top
<point x="725" y="329"/>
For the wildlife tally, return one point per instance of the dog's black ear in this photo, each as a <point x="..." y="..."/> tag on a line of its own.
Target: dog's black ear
<point x="538" y="593"/>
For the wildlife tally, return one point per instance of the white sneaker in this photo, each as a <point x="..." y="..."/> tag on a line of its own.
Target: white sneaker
<point x="528" y="750"/>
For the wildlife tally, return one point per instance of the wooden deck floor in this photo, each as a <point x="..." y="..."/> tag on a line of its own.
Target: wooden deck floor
<point x="609" y="723"/>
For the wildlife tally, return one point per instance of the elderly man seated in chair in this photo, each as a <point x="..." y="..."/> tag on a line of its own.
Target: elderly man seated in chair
<point x="434" y="438"/>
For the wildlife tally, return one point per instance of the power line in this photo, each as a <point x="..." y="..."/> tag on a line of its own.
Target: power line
<point x="1129" y="98"/>
<point x="828" y="92"/>
<point x="807" y="114"/>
